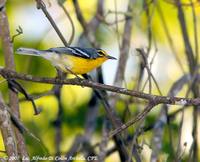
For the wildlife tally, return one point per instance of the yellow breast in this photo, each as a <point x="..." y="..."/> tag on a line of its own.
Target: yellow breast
<point x="80" y="65"/>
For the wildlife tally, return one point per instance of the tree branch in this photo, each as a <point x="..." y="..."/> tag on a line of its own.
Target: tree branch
<point x="124" y="50"/>
<point x="87" y="83"/>
<point x="41" y="5"/>
<point x="7" y="47"/>
<point x="7" y="130"/>
<point x="140" y="116"/>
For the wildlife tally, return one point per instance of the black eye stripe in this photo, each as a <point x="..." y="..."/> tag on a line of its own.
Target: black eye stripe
<point x="101" y="53"/>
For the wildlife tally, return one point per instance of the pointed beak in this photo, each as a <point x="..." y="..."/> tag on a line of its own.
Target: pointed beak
<point x="110" y="57"/>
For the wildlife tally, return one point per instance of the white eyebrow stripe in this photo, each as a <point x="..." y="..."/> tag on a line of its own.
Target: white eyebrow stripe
<point x="72" y="49"/>
<point x="82" y="52"/>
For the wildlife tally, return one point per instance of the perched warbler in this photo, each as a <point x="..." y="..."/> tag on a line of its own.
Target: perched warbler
<point x="75" y="60"/>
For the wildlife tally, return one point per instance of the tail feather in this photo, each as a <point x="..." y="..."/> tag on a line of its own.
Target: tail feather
<point x="29" y="51"/>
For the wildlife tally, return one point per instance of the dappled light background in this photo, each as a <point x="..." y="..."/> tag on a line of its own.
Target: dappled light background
<point x="38" y="34"/>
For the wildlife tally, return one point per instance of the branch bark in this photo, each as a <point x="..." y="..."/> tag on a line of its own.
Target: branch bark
<point x="139" y="117"/>
<point x="192" y="63"/>
<point x="41" y="5"/>
<point x="87" y="83"/>
<point x="7" y="131"/>
<point x="9" y="64"/>
<point x="124" y="50"/>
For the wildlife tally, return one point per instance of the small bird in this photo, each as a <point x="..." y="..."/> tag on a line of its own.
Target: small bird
<point x="74" y="60"/>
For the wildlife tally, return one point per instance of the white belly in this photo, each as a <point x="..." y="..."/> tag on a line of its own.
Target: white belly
<point x="59" y="61"/>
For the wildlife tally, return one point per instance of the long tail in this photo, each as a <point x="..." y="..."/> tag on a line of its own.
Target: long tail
<point x="29" y="51"/>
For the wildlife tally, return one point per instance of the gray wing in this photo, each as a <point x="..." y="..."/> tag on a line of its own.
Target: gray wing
<point x="90" y="53"/>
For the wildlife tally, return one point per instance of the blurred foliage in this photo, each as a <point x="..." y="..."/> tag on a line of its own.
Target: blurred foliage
<point x="75" y="99"/>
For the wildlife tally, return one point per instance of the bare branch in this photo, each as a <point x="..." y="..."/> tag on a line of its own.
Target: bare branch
<point x="19" y="32"/>
<point x="139" y="117"/>
<point x="9" y="63"/>
<point x="193" y="69"/>
<point x="88" y="29"/>
<point x="124" y="50"/>
<point x="16" y="87"/>
<point x="70" y="20"/>
<point x="7" y="130"/>
<point x="159" y="99"/>
<point x="146" y="65"/>
<point x="36" y="96"/>
<point x="188" y="47"/>
<point x="41" y="5"/>
<point x="196" y="51"/>
<point x="169" y="38"/>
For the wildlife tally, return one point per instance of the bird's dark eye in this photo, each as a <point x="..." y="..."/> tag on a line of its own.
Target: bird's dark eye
<point x="101" y="53"/>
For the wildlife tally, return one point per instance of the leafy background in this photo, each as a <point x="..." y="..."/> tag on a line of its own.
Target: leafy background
<point x="38" y="33"/>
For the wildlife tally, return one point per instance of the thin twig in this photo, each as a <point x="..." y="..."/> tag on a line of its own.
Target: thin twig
<point x="16" y="87"/>
<point x="124" y="48"/>
<point x="139" y="117"/>
<point x="88" y="29"/>
<point x="70" y="20"/>
<point x="146" y="64"/>
<point x="188" y="48"/>
<point x="116" y="24"/>
<point x="169" y="38"/>
<point x="195" y="32"/>
<point x="104" y="142"/>
<point x="184" y="4"/>
<point x="36" y="96"/>
<point x="134" y="145"/>
<point x="19" y="32"/>
<point x="41" y="5"/>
